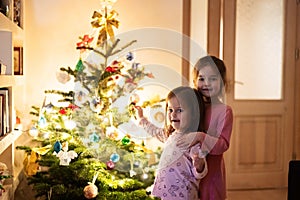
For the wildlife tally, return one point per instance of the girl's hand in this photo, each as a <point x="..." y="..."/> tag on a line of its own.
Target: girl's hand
<point x="190" y="139"/>
<point x="198" y="158"/>
<point x="199" y="164"/>
<point x="139" y="112"/>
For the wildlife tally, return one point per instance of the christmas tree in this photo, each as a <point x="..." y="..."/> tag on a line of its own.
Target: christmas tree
<point x="81" y="153"/>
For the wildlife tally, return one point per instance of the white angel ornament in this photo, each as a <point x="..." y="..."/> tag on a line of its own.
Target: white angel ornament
<point x="66" y="156"/>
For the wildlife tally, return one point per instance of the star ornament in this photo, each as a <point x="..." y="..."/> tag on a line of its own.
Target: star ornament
<point x="107" y="3"/>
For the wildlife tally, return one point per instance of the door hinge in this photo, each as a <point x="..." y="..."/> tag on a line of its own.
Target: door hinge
<point x="297" y="53"/>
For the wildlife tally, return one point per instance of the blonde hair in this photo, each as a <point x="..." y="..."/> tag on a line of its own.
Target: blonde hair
<point x="193" y="99"/>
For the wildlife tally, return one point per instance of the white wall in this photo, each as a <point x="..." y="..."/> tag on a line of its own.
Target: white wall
<point x="52" y="28"/>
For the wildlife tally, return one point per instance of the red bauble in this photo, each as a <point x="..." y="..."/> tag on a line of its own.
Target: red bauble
<point x="110" y="164"/>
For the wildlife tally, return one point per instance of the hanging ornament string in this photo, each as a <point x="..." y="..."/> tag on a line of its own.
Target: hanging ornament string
<point x="91" y="191"/>
<point x="49" y="194"/>
<point x="132" y="172"/>
<point x="95" y="177"/>
<point x="111" y="117"/>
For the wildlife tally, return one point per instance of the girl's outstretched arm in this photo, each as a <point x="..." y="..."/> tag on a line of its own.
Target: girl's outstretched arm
<point x="150" y="128"/>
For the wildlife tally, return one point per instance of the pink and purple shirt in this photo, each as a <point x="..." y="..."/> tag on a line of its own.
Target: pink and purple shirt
<point x="176" y="176"/>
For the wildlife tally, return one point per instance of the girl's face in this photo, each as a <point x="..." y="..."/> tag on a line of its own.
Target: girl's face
<point x="209" y="82"/>
<point x="178" y="115"/>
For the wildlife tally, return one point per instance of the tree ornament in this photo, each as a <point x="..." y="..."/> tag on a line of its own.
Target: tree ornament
<point x="84" y="42"/>
<point x="70" y="124"/>
<point x="33" y="132"/>
<point x="115" y="157"/>
<point x="135" y="98"/>
<point x="136" y="163"/>
<point x="79" y="66"/>
<point x="107" y="3"/>
<point x="81" y="94"/>
<point x="94" y="137"/>
<point x="96" y="105"/>
<point x="125" y="140"/>
<point x="104" y="22"/>
<point x="62" y="77"/>
<point x="62" y="111"/>
<point x="145" y="176"/>
<point x="132" y="173"/>
<point x="110" y="164"/>
<point x="90" y="191"/>
<point x="129" y="56"/>
<point x="111" y="132"/>
<point x="57" y="146"/>
<point x="30" y="163"/>
<point x="135" y="66"/>
<point x="65" y="156"/>
<point x="42" y="122"/>
<point x="49" y="107"/>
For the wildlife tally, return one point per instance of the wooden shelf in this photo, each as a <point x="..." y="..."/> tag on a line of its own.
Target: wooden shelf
<point x="8" y="139"/>
<point x="6" y="80"/>
<point x="8" y="25"/>
<point x="11" y="35"/>
<point x="7" y="152"/>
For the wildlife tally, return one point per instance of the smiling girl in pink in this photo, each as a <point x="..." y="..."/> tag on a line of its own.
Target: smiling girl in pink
<point x="209" y="77"/>
<point x="180" y="170"/>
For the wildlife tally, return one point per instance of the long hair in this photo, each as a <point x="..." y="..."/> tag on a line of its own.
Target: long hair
<point x="217" y="64"/>
<point x="192" y="99"/>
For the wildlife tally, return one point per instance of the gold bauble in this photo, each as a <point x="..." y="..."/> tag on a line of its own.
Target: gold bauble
<point x="90" y="191"/>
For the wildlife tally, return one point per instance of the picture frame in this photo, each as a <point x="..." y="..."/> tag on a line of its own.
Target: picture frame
<point x="17" y="9"/>
<point x="5" y="8"/>
<point x="18" y="60"/>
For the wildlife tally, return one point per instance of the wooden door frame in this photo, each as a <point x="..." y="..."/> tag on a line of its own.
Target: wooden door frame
<point x="213" y="33"/>
<point x="213" y="27"/>
<point x="186" y="34"/>
<point x="229" y="43"/>
<point x="297" y="88"/>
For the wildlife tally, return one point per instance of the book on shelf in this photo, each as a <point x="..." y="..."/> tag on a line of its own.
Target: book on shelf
<point x="1" y="116"/>
<point x="4" y="111"/>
